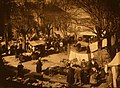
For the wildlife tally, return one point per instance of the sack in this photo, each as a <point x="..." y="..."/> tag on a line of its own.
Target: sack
<point x="93" y="79"/>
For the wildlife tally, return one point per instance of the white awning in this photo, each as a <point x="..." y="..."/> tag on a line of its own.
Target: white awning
<point x="116" y="60"/>
<point x="87" y="33"/>
<point x="79" y="56"/>
<point x="37" y="42"/>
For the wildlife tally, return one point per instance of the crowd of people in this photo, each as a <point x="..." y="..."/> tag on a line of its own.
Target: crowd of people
<point x="79" y="74"/>
<point x="59" y="44"/>
<point x="86" y="73"/>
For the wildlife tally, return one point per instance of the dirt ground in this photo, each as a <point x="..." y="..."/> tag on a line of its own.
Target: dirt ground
<point x="48" y="61"/>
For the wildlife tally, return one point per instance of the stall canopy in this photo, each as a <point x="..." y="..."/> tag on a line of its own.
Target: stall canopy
<point x="93" y="46"/>
<point x="37" y="42"/>
<point x="87" y="33"/>
<point x="79" y="56"/>
<point x="116" y="60"/>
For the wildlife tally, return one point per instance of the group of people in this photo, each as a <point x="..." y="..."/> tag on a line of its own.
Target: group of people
<point x="85" y="73"/>
<point x="20" y="68"/>
<point x="59" y="44"/>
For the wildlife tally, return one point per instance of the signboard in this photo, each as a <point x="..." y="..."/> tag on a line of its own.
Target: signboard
<point x="104" y="42"/>
<point x="93" y="46"/>
<point x="37" y="42"/>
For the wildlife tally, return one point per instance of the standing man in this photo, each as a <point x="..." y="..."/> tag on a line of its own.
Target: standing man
<point x="39" y="66"/>
<point x="61" y="45"/>
<point x="70" y="77"/>
<point x="93" y="64"/>
<point x="83" y="64"/>
<point x="77" y="75"/>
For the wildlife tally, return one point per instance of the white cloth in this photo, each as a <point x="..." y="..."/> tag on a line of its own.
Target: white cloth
<point x="116" y="60"/>
<point x="79" y="56"/>
<point x="106" y="68"/>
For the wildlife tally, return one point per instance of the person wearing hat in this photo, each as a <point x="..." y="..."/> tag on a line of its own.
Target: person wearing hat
<point x="20" y="70"/>
<point x="39" y="65"/>
<point x="70" y="77"/>
<point x="83" y="64"/>
<point x="93" y="64"/>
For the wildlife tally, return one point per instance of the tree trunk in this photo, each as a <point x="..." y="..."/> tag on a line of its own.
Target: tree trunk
<point x="68" y="48"/>
<point x="99" y="35"/>
<point x="48" y="32"/>
<point x="24" y="43"/>
<point x="111" y="46"/>
<point x="100" y="59"/>
<point x="6" y="42"/>
<point x="99" y="44"/>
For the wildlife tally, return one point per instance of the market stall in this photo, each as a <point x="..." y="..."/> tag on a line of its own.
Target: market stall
<point x="37" y="45"/>
<point x="114" y="68"/>
<point x="79" y="56"/>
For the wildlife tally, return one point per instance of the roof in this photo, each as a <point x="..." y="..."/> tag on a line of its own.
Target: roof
<point x="37" y="42"/>
<point x="87" y="33"/>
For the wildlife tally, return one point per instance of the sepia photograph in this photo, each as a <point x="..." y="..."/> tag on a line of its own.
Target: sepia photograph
<point x="59" y="44"/>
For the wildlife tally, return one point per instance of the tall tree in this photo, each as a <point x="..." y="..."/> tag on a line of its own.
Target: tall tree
<point x="5" y="9"/>
<point x="22" y="19"/>
<point x="103" y="15"/>
<point x="53" y="17"/>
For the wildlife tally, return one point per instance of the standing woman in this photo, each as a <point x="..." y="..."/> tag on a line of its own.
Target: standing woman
<point x="20" y="70"/>
<point x="39" y="66"/>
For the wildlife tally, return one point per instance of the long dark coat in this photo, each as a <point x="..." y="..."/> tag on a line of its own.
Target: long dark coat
<point x="90" y="66"/>
<point x="70" y="76"/>
<point x="39" y="66"/>
<point x="20" y="70"/>
<point x="84" y="76"/>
